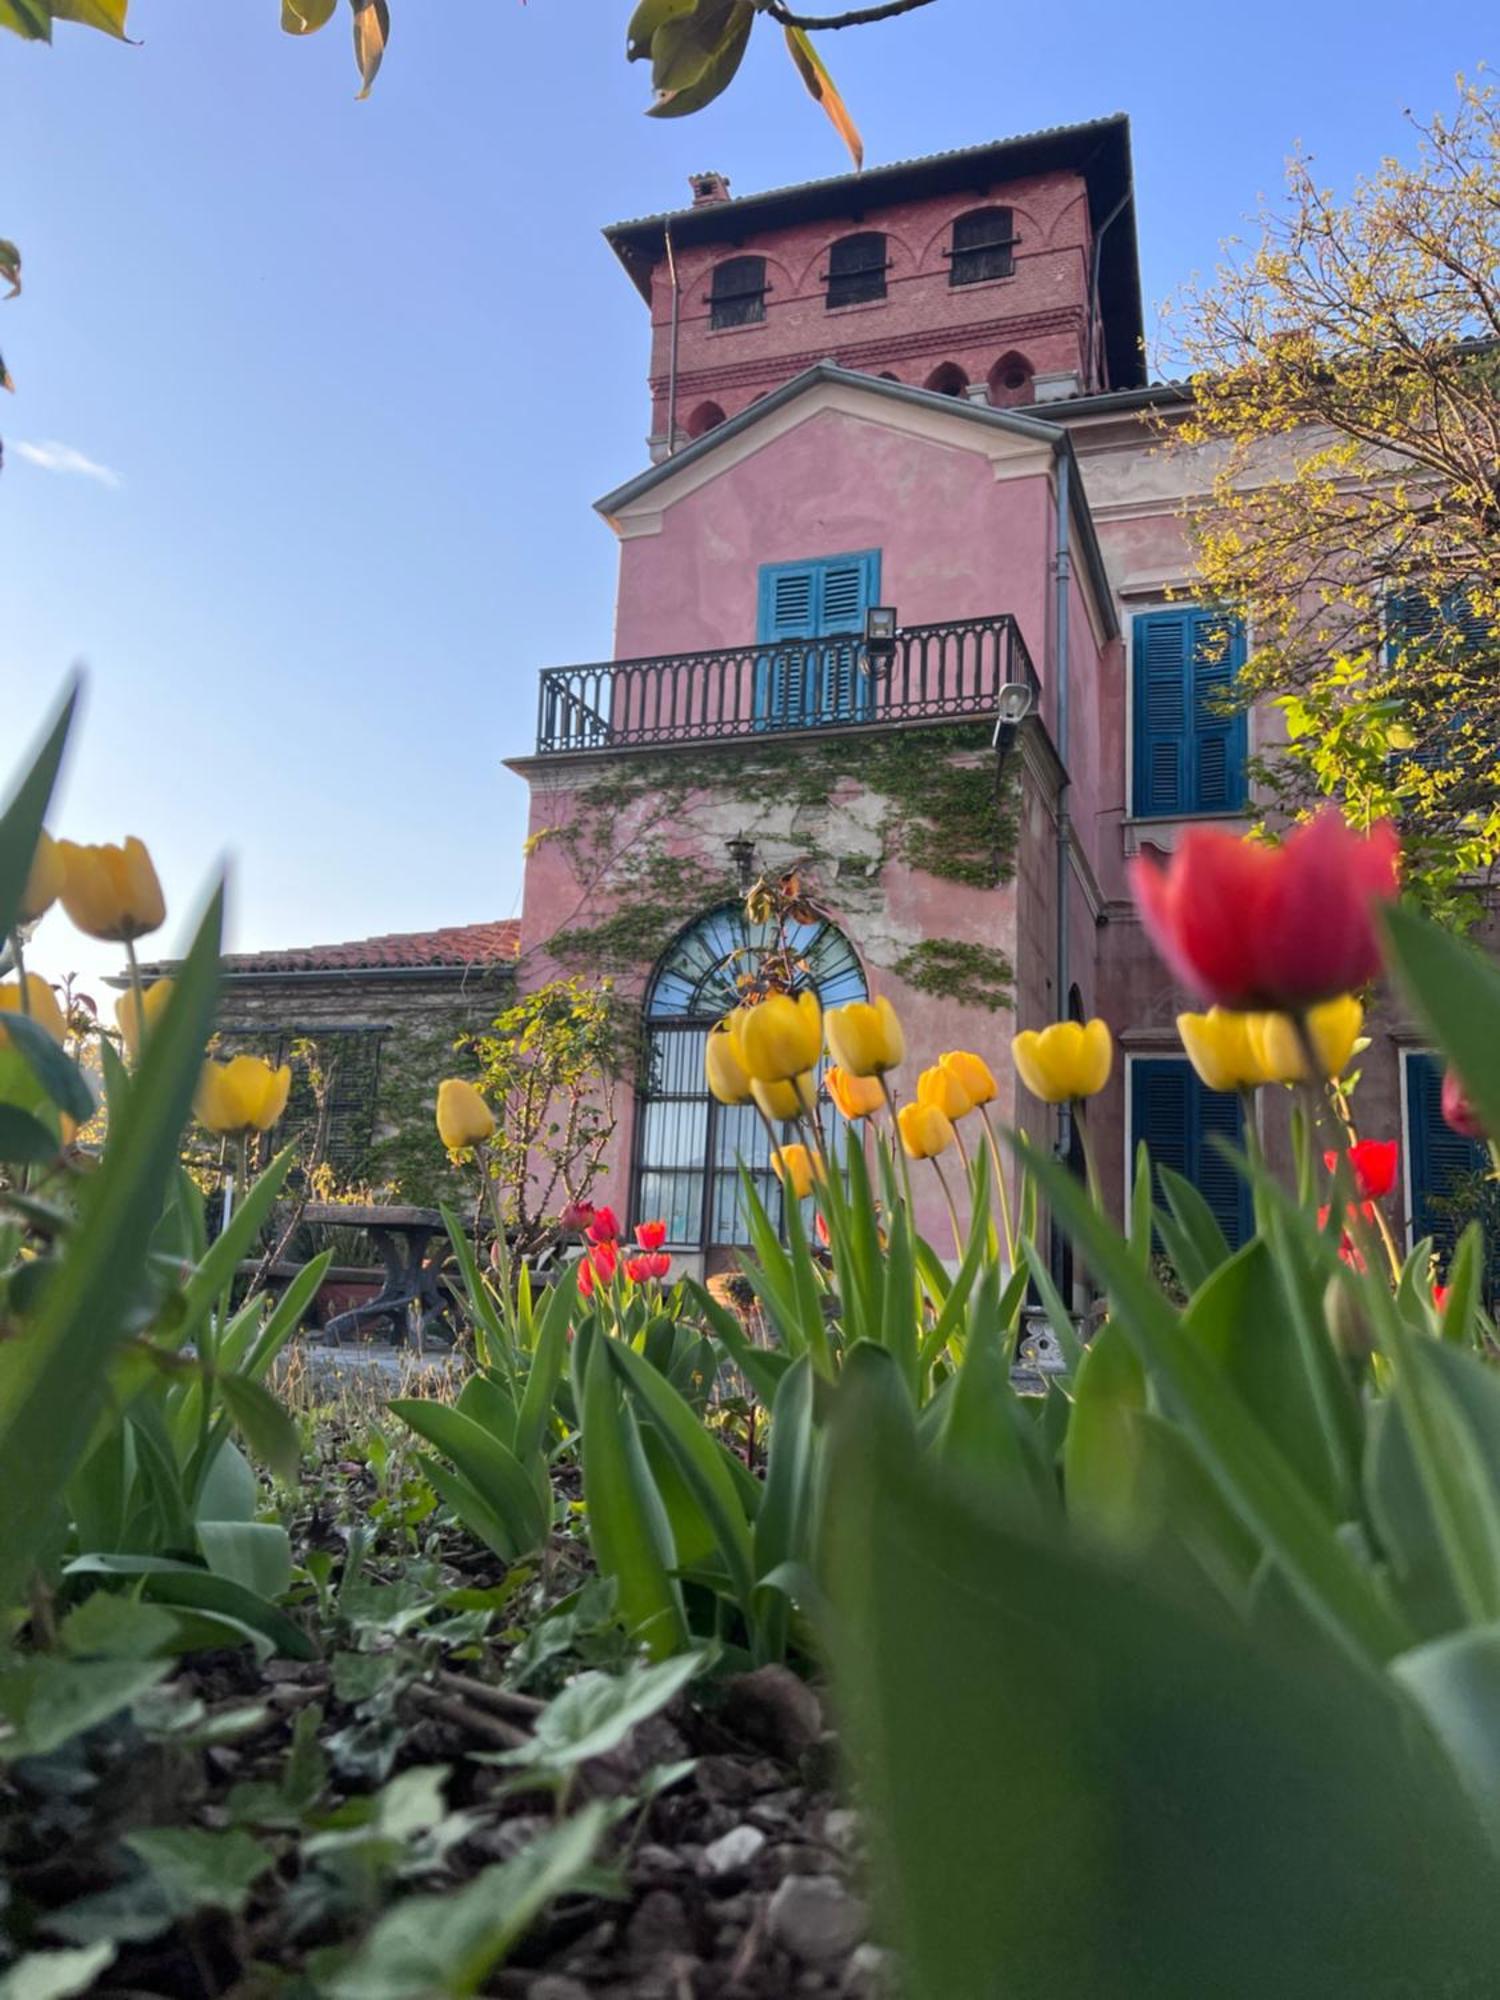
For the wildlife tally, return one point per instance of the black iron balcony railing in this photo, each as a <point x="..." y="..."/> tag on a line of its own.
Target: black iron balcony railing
<point x="786" y="687"/>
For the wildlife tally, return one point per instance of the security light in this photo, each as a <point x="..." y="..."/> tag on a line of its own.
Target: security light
<point x="880" y="636"/>
<point x="1016" y="701"/>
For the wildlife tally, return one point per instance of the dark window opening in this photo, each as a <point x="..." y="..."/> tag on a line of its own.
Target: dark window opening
<point x="948" y="379"/>
<point x="983" y="247"/>
<point x="738" y="294"/>
<point x="856" y="269"/>
<point x="1010" y="380"/>
<point x="1191" y="737"/>
<point x="707" y="417"/>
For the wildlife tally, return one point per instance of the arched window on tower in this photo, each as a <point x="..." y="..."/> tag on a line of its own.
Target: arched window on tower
<point x="707" y="417"/>
<point x="947" y="379"/>
<point x="984" y="244"/>
<point x="856" y="269"/>
<point x="1010" y="380"/>
<point x="688" y="1147"/>
<point x="737" y="294"/>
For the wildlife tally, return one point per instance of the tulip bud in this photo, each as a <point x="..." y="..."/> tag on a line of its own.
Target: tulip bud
<point x="853" y="1096"/>
<point x="973" y="1073"/>
<point x="780" y="1037"/>
<point x="1069" y="1060"/>
<point x="1219" y="1046"/>
<point x="243" y="1095"/>
<point x="787" y="1100"/>
<point x="796" y="1169"/>
<point x="1333" y="1028"/>
<point x="41" y="1005"/>
<point x="111" y="892"/>
<point x="44" y="882"/>
<point x="1345" y="1316"/>
<point x="925" y="1131"/>
<point x="1459" y="1114"/>
<point x="865" y="1038"/>
<point x="130" y="1010"/>
<point x="463" y="1117"/>
<point x="940" y="1087"/>
<point x="727" y="1080"/>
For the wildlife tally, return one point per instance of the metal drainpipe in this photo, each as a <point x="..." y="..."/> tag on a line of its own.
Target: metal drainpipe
<point x="672" y="363"/>
<point x="1063" y="581"/>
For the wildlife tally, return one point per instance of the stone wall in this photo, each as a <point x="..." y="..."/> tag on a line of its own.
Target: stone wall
<point x="409" y="1023"/>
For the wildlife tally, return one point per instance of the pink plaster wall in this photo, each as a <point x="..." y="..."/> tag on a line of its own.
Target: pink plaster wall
<point x="1039" y="313"/>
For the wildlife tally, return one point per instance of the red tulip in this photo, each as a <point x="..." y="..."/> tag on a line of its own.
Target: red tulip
<point x="585" y="1279"/>
<point x="1458" y="1113"/>
<point x="605" y="1258"/>
<point x="576" y="1217"/>
<point x="638" y="1269"/>
<point x="651" y="1235"/>
<point x="660" y="1264"/>
<point x="604" y="1227"/>
<point x="1440" y="1297"/>
<point x="1270" y="928"/>
<point x="1374" y="1164"/>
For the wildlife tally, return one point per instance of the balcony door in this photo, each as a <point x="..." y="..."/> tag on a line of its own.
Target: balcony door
<point x="813" y="615"/>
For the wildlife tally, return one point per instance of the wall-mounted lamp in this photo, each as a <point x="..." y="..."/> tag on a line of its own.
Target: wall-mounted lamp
<point x="742" y="854"/>
<point x="880" y="638"/>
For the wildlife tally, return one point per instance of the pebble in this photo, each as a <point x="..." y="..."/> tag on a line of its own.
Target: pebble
<point x="552" y="1986"/>
<point x="653" y="1859"/>
<point x="871" y="1974"/>
<point x="775" y="1710"/>
<point x="841" y="1827"/>
<point x="815" y="1918"/>
<point x="733" y="1852"/>
<point x="659" y="1928"/>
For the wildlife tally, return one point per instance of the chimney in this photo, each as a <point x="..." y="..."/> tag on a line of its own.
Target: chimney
<point x="708" y="188"/>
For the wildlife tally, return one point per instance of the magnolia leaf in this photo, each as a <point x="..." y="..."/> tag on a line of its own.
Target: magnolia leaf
<point x="106" y="15"/>
<point x="715" y="77"/>
<point x="305" y="17"/>
<point x="684" y="46"/>
<point x="644" y="22"/>
<point x="823" y="90"/>
<point x="372" y="30"/>
<point x="56" y="1975"/>
<point x="10" y="271"/>
<point x="30" y="19"/>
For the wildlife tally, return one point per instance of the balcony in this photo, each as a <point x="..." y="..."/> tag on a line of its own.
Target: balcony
<point x="939" y="673"/>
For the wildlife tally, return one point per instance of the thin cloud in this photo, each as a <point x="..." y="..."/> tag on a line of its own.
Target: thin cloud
<point x="51" y="456"/>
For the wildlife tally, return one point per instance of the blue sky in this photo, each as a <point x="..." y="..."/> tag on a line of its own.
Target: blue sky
<point x="348" y="376"/>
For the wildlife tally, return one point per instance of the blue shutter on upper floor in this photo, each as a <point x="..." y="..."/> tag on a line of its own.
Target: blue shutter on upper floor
<point x="1189" y="748"/>
<point x="1180" y="1122"/>
<point x="805" y="685"/>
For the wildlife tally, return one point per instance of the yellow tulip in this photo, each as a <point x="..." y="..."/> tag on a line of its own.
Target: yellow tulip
<point x="1070" y="1059"/>
<point x="865" y="1038"/>
<point x="853" y="1096"/>
<point x="44" y="882"/>
<point x="940" y="1087"/>
<point x="796" y="1169"/>
<point x="41" y="1005"/>
<point x="1334" y="1028"/>
<point x="242" y="1095"/>
<point x="795" y="1099"/>
<point x="128" y="1013"/>
<point x="727" y="1080"/>
<point x="111" y="892"/>
<point x="779" y="1037"/>
<point x="1221" y="1048"/>
<point x="925" y="1130"/>
<point x="463" y="1117"/>
<point x="975" y="1077"/>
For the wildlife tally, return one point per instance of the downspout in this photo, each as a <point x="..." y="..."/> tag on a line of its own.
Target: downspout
<point x="672" y="362"/>
<point x="1063" y="577"/>
<point x="1113" y="216"/>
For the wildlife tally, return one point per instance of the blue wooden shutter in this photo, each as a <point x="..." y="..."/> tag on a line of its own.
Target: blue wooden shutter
<point x="1218" y="747"/>
<point x="1161" y="712"/>
<point x="1441" y="1159"/>
<point x="801" y="685"/>
<point x="1189" y="752"/>
<point x="1179" y="1121"/>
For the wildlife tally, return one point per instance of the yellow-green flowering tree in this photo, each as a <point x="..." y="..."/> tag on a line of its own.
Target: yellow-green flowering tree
<point x="1346" y="373"/>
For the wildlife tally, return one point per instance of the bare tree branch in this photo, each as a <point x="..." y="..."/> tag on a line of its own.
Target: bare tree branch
<point x="855" y="17"/>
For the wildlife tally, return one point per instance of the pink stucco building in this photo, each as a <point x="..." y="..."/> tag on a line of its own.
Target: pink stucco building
<point x="921" y="387"/>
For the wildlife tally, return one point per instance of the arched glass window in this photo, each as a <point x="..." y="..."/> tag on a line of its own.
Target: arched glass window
<point x="688" y="1147"/>
<point x="857" y="268"/>
<point x="737" y="296"/>
<point x="984" y="243"/>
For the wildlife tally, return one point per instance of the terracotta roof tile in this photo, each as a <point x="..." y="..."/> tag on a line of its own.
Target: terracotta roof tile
<point x="456" y="945"/>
